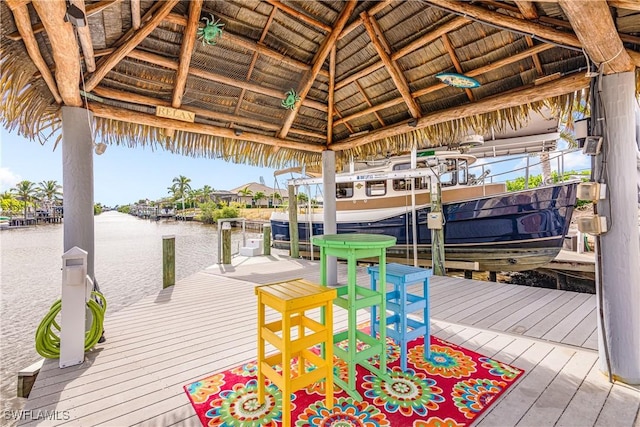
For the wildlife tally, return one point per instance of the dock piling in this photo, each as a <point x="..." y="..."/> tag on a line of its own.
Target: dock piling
<point x="226" y="243"/>
<point x="266" y="239"/>
<point x="168" y="261"/>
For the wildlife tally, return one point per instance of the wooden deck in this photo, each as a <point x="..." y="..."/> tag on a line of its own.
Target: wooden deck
<point x="207" y="323"/>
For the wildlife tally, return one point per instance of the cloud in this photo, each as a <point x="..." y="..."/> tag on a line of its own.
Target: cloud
<point x="576" y="161"/>
<point x="8" y="179"/>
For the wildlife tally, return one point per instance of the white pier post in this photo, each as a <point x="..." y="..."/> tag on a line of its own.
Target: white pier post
<point x="619" y="248"/>
<point x="329" y="208"/>
<point x="77" y="179"/>
<point x="73" y="312"/>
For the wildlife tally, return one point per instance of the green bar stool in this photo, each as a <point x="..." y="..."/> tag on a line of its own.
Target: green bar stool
<point x="353" y="298"/>
<point x="401" y="303"/>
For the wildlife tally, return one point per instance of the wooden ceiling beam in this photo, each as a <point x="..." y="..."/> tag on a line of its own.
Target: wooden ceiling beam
<point x="454" y="59"/>
<point x="536" y="59"/>
<point x="471" y="73"/>
<point x="129" y="116"/>
<point x="23" y="23"/>
<point x="207" y="75"/>
<point x="64" y="48"/>
<point x="318" y="61"/>
<point x="396" y="75"/>
<point x="119" y="95"/>
<point x="530" y="94"/>
<point x="112" y="60"/>
<point x="331" y="98"/>
<point x="377" y="7"/>
<point x="90" y="10"/>
<point x="625" y="4"/>
<point x="299" y="15"/>
<point x="135" y="14"/>
<point x="344" y="122"/>
<point x="515" y="24"/>
<point x="451" y="25"/>
<point x="84" y="35"/>
<point x="527" y="9"/>
<point x="371" y="110"/>
<point x="177" y="19"/>
<point x="594" y="26"/>
<point x="186" y="50"/>
<point x="368" y="101"/>
<point x="555" y="22"/>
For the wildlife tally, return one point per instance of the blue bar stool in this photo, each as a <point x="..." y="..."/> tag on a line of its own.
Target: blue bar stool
<point x="399" y="326"/>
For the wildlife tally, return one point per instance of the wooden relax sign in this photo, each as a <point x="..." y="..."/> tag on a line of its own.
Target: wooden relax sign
<point x="173" y="113"/>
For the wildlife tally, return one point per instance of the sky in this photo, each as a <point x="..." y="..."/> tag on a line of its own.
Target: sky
<point x="125" y="175"/>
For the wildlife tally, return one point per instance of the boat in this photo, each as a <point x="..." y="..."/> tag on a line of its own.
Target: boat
<point x="483" y="223"/>
<point x="5" y="221"/>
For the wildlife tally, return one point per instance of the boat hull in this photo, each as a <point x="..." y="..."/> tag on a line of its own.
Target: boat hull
<point x="509" y="232"/>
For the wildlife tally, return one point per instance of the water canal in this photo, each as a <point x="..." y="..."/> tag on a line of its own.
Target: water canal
<point x="128" y="264"/>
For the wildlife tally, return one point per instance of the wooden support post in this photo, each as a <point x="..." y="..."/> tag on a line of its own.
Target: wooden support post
<point x="266" y="239"/>
<point x="330" y="225"/>
<point x="168" y="261"/>
<point x="226" y="243"/>
<point x="294" y="251"/>
<point x="492" y="276"/>
<point x="468" y="274"/>
<point x="617" y="275"/>
<point x="437" y="234"/>
<point x="27" y="377"/>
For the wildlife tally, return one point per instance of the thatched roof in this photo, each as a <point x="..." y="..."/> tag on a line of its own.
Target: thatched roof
<point x="365" y="71"/>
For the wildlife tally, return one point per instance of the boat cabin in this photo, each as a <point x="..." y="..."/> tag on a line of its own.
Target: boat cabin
<point x="387" y="183"/>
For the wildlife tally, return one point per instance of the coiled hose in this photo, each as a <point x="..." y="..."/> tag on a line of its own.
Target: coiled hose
<point x="48" y="340"/>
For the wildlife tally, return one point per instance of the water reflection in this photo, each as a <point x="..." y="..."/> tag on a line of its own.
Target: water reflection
<point x="128" y="266"/>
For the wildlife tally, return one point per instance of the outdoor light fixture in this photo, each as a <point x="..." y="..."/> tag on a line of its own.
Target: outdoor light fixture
<point x="238" y="132"/>
<point x="413" y="123"/>
<point x="458" y="80"/>
<point x="100" y="148"/>
<point x="75" y="15"/>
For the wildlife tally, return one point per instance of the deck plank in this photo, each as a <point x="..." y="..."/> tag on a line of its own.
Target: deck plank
<point x="548" y="408"/>
<point x="207" y="323"/>
<point x="539" y="323"/>
<point x="581" y="333"/>
<point x="511" y="322"/>
<point x="541" y="362"/>
<point x="588" y="400"/>
<point x="621" y="407"/>
<point x="562" y="329"/>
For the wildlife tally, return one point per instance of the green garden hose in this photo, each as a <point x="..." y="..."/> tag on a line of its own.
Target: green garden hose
<point x="48" y="340"/>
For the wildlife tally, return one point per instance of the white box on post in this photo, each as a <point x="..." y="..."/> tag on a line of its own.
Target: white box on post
<point x="74" y="292"/>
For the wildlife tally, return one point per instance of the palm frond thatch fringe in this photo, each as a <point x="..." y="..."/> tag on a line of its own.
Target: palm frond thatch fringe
<point x="448" y="133"/>
<point x="131" y="135"/>
<point x="27" y="104"/>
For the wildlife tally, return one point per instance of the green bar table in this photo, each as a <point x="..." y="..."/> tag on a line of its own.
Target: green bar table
<point x="352" y="297"/>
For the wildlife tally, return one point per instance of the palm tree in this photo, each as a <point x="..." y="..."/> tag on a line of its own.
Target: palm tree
<point x="180" y="187"/>
<point x="206" y="193"/>
<point x="278" y="197"/>
<point x="245" y="192"/>
<point x="50" y="192"/>
<point x="302" y="198"/>
<point x="26" y="191"/>
<point x="257" y="196"/>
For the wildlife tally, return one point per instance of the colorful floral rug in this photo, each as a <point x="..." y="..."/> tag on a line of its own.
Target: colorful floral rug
<point x="451" y="389"/>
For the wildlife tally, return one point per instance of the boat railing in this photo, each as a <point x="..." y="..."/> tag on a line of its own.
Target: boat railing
<point x="558" y="156"/>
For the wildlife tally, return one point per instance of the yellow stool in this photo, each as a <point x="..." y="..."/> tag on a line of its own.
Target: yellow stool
<point x="291" y="299"/>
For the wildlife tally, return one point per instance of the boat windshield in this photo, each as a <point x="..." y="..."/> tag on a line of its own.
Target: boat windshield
<point x="456" y="173"/>
<point x="404" y="184"/>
